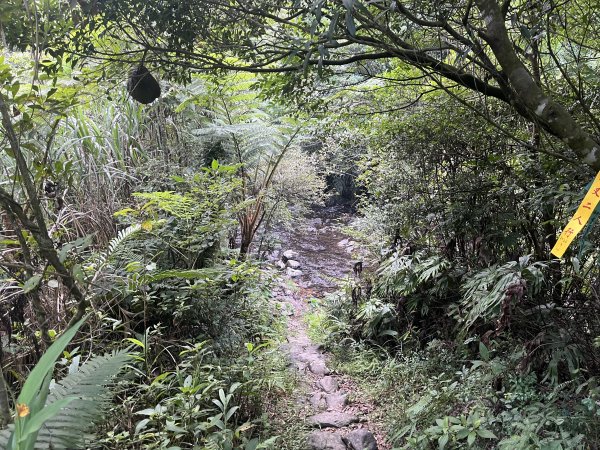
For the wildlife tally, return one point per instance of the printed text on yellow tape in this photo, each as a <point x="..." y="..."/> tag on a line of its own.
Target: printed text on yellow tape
<point x="581" y="217"/>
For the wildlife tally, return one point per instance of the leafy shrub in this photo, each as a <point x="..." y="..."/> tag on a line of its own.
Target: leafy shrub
<point x="58" y="415"/>
<point x="206" y="399"/>
<point x="490" y="294"/>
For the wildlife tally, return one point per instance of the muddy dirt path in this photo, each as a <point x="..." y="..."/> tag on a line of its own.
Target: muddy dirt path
<point x="325" y="256"/>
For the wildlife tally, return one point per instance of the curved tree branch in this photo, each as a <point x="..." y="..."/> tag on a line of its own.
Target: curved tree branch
<point x="529" y="97"/>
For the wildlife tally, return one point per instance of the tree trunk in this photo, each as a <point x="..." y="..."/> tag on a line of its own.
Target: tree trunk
<point x="37" y="227"/>
<point x="246" y="234"/>
<point x="528" y="98"/>
<point x="2" y="37"/>
<point x="4" y="403"/>
<point x="245" y="245"/>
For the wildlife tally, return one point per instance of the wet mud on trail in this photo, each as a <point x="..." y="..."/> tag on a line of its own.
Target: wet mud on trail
<point x="321" y="255"/>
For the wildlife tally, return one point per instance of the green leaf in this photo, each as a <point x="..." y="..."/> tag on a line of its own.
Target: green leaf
<point x="268" y="443"/>
<point x="46" y="364"/>
<point x="172" y="427"/>
<point x="78" y="273"/>
<point x="81" y="244"/>
<point x="442" y="441"/>
<point x="14" y="89"/>
<point x="231" y="412"/>
<point x="216" y="421"/>
<point x="484" y="352"/>
<point x="525" y="32"/>
<point x="141" y="425"/>
<point x="350" y="25"/>
<point x="486" y="434"/>
<point x="37" y="420"/>
<point x="463" y="433"/>
<point x="332" y="25"/>
<point x="136" y="342"/>
<point x="471" y="438"/>
<point x="38" y="402"/>
<point x="32" y="283"/>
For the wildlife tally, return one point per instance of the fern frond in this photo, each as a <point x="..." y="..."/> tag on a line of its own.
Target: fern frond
<point x="115" y="243"/>
<point x="212" y="445"/>
<point x="190" y="274"/>
<point x="69" y="428"/>
<point x="431" y="268"/>
<point x="89" y="386"/>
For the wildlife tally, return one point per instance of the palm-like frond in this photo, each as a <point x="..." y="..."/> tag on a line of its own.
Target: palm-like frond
<point x="485" y="290"/>
<point x="69" y="429"/>
<point x="115" y="243"/>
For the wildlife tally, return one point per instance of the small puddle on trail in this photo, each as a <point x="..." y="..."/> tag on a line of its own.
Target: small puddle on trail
<point x="326" y="256"/>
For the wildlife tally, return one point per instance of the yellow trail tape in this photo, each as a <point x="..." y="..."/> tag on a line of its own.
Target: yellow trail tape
<point x="581" y="217"/>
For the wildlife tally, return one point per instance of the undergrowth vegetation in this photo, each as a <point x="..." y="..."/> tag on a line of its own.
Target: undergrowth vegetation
<point x="136" y="306"/>
<point x="135" y="218"/>
<point x="478" y="338"/>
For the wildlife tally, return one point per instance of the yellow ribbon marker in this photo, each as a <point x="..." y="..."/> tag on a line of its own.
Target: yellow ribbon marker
<point x="581" y="217"/>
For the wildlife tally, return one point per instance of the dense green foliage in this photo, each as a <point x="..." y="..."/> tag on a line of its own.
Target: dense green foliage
<point x="141" y="214"/>
<point x="466" y="132"/>
<point x="467" y="216"/>
<point x="536" y="58"/>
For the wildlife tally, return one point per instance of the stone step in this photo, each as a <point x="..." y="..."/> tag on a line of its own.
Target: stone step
<point x="360" y="439"/>
<point x="332" y="419"/>
<point x="336" y="401"/>
<point x="321" y="401"/>
<point x="322" y="440"/>
<point x="318" y="401"/>
<point x="305" y="356"/>
<point x="328" y="384"/>
<point x="318" y="367"/>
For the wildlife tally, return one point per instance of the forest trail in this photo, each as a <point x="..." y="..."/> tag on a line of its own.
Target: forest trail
<point x="340" y="421"/>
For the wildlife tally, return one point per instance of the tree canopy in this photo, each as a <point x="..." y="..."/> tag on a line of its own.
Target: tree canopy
<point x="527" y="54"/>
<point x="218" y="183"/>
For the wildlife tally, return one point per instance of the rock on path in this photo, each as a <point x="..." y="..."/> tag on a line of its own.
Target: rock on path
<point x="360" y="440"/>
<point x="331" y="402"/>
<point x="328" y="384"/>
<point x="333" y="416"/>
<point x="322" y="440"/>
<point x="333" y="419"/>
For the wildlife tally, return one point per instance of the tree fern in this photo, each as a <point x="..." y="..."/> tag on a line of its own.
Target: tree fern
<point x="69" y="429"/>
